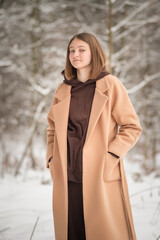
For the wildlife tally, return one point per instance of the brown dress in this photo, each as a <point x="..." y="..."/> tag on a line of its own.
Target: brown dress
<point x="82" y="94"/>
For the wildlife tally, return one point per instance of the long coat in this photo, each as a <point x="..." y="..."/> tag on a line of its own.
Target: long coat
<point x="113" y="126"/>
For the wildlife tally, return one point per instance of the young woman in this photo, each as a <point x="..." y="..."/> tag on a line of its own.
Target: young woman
<point x="85" y="150"/>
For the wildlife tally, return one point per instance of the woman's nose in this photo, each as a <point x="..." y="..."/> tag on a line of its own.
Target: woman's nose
<point x="76" y="53"/>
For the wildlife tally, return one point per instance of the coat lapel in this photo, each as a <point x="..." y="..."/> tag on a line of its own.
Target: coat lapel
<point x="99" y="102"/>
<point x="61" y="112"/>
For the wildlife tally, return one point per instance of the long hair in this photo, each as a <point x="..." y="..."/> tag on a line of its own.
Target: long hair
<point x="98" y="56"/>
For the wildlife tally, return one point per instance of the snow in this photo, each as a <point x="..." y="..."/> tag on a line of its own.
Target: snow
<point x="22" y="203"/>
<point x="27" y="199"/>
<point x="145" y="202"/>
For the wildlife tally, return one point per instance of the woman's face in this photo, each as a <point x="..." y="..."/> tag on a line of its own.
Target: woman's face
<point x="79" y="54"/>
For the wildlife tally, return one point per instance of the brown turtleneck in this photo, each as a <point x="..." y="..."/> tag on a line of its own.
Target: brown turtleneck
<point x="82" y="94"/>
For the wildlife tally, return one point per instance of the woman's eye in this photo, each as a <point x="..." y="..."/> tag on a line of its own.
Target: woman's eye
<point x="81" y="50"/>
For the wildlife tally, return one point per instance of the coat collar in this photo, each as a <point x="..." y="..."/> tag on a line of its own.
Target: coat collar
<point x="64" y="91"/>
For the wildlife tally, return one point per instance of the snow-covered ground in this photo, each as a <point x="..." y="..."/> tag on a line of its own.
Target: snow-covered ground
<point x="26" y="202"/>
<point x="23" y="202"/>
<point x="145" y="202"/>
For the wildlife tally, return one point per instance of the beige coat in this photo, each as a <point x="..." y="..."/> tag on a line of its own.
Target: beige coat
<point x="107" y="210"/>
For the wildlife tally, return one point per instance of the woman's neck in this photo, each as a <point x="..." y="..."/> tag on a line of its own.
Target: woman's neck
<point x="83" y="74"/>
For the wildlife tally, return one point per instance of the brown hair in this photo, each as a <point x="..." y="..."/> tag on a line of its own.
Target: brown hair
<point x="98" y="56"/>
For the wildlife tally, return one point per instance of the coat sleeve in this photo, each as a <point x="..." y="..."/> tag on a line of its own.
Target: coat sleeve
<point x="50" y="130"/>
<point x="125" y="116"/>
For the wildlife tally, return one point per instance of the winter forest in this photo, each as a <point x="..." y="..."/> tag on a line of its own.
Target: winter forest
<point x="33" y="40"/>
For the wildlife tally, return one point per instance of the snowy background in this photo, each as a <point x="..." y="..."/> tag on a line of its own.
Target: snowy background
<point x="33" y="41"/>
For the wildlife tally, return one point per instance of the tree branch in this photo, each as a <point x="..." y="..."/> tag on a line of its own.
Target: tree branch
<point x="143" y="83"/>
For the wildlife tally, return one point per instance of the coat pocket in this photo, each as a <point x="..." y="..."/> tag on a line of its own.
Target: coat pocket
<point x="111" y="168"/>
